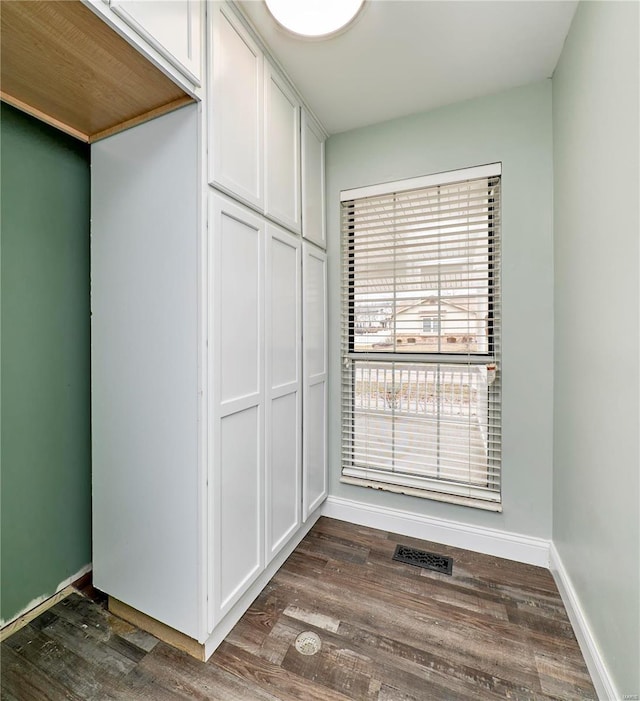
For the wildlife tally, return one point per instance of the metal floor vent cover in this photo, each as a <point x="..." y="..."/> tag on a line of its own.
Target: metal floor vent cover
<point x="308" y="643"/>
<point x="420" y="558"/>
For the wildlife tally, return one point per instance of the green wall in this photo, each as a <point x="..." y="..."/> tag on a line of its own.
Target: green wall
<point x="45" y="362"/>
<point x="596" y="525"/>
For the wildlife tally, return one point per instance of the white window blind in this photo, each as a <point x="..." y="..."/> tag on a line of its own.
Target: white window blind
<point x="421" y="338"/>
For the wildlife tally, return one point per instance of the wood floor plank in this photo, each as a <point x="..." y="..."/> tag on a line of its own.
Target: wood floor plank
<point x="444" y="589"/>
<point x="140" y="685"/>
<point x="561" y="676"/>
<point x="493" y="630"/>
<point x="336" y="666"/>
<point x="22" y="680"/>
<point x="278" y="642"/>
<point x="333" y="548"/>
<point x="448" y="673"/>
<point x="63" y="666"/>
<point x="178" y="673"/>
<point x="101" y="624"/>
<point x="91" y="649"/>
<point x="273" y="678"/>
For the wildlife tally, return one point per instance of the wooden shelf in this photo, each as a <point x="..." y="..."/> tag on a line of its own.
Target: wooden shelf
<point x="61" y="63"/>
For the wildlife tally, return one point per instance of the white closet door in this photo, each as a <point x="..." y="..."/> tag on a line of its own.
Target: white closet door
<point x="314" y="422"/>
<point x="236" y="108"/>
<point x="313" y="221"/>
<point x="237" y="390"/>
<point x="284" y="384"/>
<point x="282" y="151"/>
<point x="172" y="27"/>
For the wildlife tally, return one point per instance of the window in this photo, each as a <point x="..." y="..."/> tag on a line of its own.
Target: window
<point x="430" y="325"/>
<point x="421" y="325"/>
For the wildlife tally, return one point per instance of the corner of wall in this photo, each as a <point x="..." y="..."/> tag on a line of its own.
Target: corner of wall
<point x="600" y="676"/>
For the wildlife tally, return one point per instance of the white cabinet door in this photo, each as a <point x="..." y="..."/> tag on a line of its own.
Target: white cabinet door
<point x="282" y="151"/>
<point x="313" y="217"/>
<point x="172" y="27"/>
<point x="314" y="421"/>
<point x="284" y="385"/>
<point x="237" y="390"/>
<point x="236" y="108"/>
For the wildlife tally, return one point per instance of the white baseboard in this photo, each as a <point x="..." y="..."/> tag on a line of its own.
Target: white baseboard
<point x="42" y="603"/>
<point x="490" y="541"/>
<point x="600" y="676"/>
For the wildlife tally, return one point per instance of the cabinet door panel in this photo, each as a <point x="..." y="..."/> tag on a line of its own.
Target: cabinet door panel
<point x="240" y="529"/>
<point x="315" y="317"/>
<point x="284" y="282"/>
<point x="315" y="473"/>
<point x="236" y="391"/>
<point x="282" y="151"/>
<point x="313" y="218"/>
<point x="240" y="323"/>
<point x="283" y="487"/>
<point x="236" y="108"/>
<point x="314" y="479"/>
<point x="172" y="27"/>
<point x="283" y="435"/>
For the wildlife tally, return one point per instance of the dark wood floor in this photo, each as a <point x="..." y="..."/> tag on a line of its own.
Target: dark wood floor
<point x="389" y="631"/>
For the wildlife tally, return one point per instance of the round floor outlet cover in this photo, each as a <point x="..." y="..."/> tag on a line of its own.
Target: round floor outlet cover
<point x="308" y="643"/>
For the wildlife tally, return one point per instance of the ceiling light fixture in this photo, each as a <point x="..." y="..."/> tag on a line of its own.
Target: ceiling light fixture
<point x="314" y="18"/>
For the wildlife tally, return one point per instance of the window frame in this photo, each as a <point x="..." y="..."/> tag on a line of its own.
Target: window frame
<point x="428" y="487"/>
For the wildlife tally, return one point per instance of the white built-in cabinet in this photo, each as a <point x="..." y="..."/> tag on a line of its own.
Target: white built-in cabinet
<point x="209" y="331"/>
<point x="172" y="27"/>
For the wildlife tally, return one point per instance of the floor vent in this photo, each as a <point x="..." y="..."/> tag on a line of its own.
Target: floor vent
<point x="420" y="558"/>
<point x="308" y="643"/>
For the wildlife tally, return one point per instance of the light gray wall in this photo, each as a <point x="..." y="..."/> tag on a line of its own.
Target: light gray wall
<point x="513" y="127"/>
<point x="596" y="414"/>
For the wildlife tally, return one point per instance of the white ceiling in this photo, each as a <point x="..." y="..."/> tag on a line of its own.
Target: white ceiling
<point x="406" y="56"/>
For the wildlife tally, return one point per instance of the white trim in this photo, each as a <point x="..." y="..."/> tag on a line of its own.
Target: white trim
<point x="41" y="603"/>
<point x="423" y="487"/>
<point x="452" y="176"/>
<point x="605" y="688"/>
<point x="490" y="541"/>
